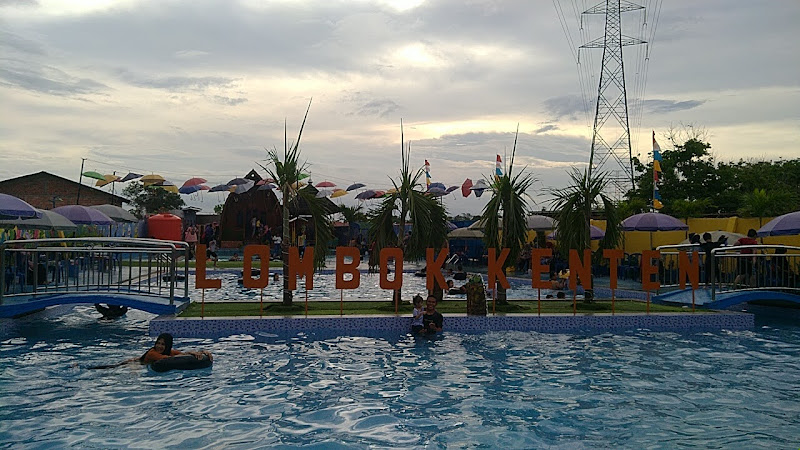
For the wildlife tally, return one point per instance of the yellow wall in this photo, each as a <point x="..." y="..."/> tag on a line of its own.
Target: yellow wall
<point x="636" y="241"/>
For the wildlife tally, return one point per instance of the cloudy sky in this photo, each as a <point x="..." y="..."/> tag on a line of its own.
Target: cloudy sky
<point x="200" y="88"/>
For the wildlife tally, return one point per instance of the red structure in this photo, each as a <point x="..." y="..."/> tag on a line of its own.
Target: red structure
<point x="165" y="226"/>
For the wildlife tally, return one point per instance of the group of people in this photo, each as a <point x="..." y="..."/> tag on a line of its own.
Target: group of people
<point x="428" y="320"/>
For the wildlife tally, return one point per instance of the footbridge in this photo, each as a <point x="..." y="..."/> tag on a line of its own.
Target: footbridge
<point x="731" y="275"/>
<point x="146" y="274"/>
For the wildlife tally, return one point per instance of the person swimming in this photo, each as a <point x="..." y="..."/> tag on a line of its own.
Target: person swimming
<point x="160" y="350"/>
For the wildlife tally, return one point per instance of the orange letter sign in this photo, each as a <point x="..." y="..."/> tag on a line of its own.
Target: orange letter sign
<point x="537" y="268"/>
<point x="397" y="255"/>
<point x="613" y="256"/>
<point x="689" y="268"/>
<point x="247" y="276"/>
<point x="580" y="270"/>
<point x="496" y="268"/>
<point x="648" y="270"/>
<point x="200" y="280"/>
<point x="434" y="268"/>
<point x="306" y="265"/>
<point x="343" y="267"/>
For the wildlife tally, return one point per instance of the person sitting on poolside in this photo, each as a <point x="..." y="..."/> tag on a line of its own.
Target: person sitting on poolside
<point x="432" y="320"/>
<point x="235" y="257"/>
<point x="163" y="349"/>
<point x="451" y="289"/>
<point x="460" y="275"/>
<point x="561" y="294"/>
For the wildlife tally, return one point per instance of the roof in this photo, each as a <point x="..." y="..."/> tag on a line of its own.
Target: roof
<point x="48" y="174"/>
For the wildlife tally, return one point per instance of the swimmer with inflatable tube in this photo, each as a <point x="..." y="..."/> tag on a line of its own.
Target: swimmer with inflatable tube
<point x="162" y="357"/>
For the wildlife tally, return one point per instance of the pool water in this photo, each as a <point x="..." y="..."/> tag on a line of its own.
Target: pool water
<point x="492" y="390"/>
<point x="325" y="289"/>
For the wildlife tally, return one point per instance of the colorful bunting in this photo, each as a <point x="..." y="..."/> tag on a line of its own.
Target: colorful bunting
<point x="427" y="174"/>
<point x="656" y="173"/>
<point x="498" y="171"/>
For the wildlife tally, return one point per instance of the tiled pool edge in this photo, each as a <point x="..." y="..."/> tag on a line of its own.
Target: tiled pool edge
<point x="214" y="327"/>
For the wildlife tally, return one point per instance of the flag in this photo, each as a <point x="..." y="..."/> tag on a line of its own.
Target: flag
<point x="427" y="174"/>
<point x="498" y="171"/>
<point x="656" y="173"/>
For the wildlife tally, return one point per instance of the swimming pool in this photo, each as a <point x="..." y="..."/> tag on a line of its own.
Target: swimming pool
<point x="499" y="389"/>
<point x="325" y="289"/>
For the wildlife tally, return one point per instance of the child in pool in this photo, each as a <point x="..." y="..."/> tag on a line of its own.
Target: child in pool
<point x="416" y="322"/>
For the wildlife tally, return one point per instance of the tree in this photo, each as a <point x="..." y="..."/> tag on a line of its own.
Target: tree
<point x="761" y="203"/>
<point x="352" y="215"/>
<point x="218" y="209"/>
<point x="151" y="199"/>
<point x="427" y="216"/>
<point x="574" y="205"/>
<point x="504" y="215"/>
<point x="285" y="170"/>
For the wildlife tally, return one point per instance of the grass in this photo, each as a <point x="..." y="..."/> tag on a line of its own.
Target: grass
<point x="228" y="309"/>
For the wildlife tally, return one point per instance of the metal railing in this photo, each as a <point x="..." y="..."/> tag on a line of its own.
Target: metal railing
<point x="736" y="268"/>
<point x="148" y="267"/>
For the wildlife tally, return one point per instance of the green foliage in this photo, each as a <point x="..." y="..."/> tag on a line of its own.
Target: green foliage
<point x="218" y="208"/>
<point x="150" y="199"/>
<point x="286" y="169"/>
<point x="573" y="206"/>
<point x="504" y="214"/>
<point x="694" y="184"/>
<point x="353" y="214"/>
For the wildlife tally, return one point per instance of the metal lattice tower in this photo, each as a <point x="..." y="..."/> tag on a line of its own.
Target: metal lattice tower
<point x="611" y="136"/>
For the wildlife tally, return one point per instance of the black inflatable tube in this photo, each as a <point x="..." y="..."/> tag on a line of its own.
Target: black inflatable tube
<point x="181" y="362"/>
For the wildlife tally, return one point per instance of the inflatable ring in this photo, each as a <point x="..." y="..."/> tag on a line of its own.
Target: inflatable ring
<point x="181" y="362"/>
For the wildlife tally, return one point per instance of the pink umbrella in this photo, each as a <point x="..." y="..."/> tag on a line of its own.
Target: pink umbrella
<point x="325" y="184"/>
<point x="193" y="181"/>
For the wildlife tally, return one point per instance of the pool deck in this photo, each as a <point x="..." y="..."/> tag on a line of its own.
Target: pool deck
<point x="215" y="327"/>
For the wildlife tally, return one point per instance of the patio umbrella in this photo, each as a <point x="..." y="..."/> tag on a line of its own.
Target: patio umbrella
<point x="267" y="187"/>
<point x="595" y="233"/>
<point x="355" y="186"/>
<point x="190" y="189"/>
<point x="437" y="186"/>
<point x="130" y="176"/>
<point x="14" y="207"/>
<point x="93" y="174"/>
<point x="436" y="191"/>
<point x="324" y="193"/>
<point x="785" y="225"/>
<point x="238" y="181"/>
<point x="106" y="180"/>
<point x="653" y="222"/>
<point x="538" y="222"/>
<point x="338" y="193"/>
<point x="48" y="220"/>
<point x="83" y="215"/>
<point x="479" y="188"/>
<point x="369" y="193"/>
<point x="147" y="180"/>
<point x="466" y="188"/>
<point x="450" y="189"/>
<point x="116" y="213"/>
<point x="451" y="226"/>
<point x="194" y="181"/>
<point x="465" y="233"/>
<point x="220" y="188"/>
<point x="167" y="186"/>
<point x="325" y="184"/>
<point x="244" y="187"/>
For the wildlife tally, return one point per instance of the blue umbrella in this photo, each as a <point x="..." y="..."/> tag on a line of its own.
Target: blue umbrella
<point x="437" y="186"/>
<point x="220" y="188"/>
<point x="785" y="225"/>
<point x="355" y="186"/>
<point x="82" y="215"/>
<point x="14" y="207"/>
<point x="190" y="189"/>
<point x="130" y="176"/>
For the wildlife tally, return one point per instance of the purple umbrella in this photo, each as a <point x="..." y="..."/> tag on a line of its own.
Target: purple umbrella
<point x="785" y="225"/>
<point x="220" y="188"/>
<point x="130" y="176"/>
<point x="189" y="189"/>
<point x="14" y="207"/>
<point x="596" y="233"/>
<point x="369" y="193"/>
<point x="436" y="191"/>
<point x="82" y="215"/>
<point x="437" y="185"/>
<point x="653" y="222"/>
<point x="451" y="189"/>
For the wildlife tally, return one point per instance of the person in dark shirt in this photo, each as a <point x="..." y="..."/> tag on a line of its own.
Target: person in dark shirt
<point x="432" y="320"/>
<point x="706" y="247"/>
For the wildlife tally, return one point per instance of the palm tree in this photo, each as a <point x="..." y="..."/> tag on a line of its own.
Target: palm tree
<point x="504" y="215"/>
<point x="426" y="214"/>
<point x="352" y="215"/>
<point x="285" y="170"/>
<point x="573" y="206"/>
<point x="762" y="203"/>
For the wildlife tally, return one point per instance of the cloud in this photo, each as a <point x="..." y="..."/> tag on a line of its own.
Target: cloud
<point x="546" y="128"/>
<point x="46" y="79"/>
<point x="377" y="108"/>
<point x="227" y="100"/>
<point x="667" y="106"/>
<point x="174" y="83"/>
<point x="569" y="106"/>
